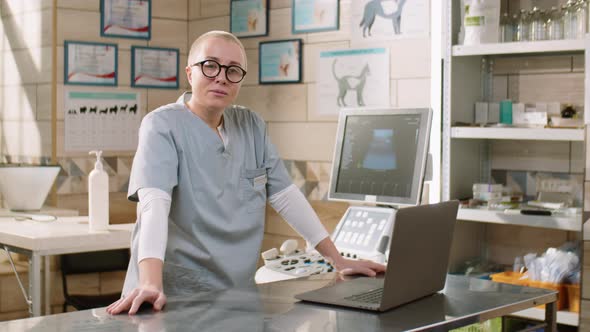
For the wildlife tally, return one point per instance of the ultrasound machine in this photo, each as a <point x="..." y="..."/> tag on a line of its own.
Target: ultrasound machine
<point x="379" y="164"/>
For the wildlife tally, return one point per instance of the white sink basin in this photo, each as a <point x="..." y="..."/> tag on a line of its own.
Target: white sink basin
<point x="25" y="187"/>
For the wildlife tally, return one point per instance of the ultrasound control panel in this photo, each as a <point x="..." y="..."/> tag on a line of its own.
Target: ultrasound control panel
<point x="362" y="233"/>
<point x="300" y="264"/>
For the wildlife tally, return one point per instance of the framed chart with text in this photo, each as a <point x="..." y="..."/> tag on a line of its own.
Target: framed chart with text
<point x="126" y="18"/>
<point x="154" y="67"/>
<point x="87" y="63"/>
<point x="249" y="18"/>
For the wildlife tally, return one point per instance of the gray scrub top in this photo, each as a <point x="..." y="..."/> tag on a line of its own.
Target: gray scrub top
<point x="219" y="194"/>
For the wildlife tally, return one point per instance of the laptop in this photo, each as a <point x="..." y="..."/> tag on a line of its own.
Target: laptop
<point x="417" y="265"/>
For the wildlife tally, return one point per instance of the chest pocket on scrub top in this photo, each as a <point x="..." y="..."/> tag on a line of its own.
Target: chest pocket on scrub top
<point x="253" y="183"/>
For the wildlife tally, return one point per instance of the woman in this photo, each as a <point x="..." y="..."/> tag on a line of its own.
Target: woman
<point x="202" y="174"/>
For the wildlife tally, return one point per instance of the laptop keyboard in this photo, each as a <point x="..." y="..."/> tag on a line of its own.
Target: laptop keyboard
<point x="373" y="296"/>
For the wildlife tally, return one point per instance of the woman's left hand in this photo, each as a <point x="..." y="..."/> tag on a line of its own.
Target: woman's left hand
<point x="349" y="267"/>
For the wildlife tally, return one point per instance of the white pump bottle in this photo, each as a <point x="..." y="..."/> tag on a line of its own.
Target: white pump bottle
<point x="98" y="196"/>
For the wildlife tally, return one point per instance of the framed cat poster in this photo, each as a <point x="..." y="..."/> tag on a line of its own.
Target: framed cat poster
<point x="248" y="18"/>
<point x="315" y="15"/>
<point x="280" y="61"/>
<point x="352" y="78"/>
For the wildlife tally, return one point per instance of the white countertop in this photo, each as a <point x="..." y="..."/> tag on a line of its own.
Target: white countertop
<point x="62" y="236"/>
<point x="50" y="210"/>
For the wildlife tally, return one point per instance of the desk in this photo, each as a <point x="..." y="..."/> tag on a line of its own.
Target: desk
<point x="45" y="210"/>
<point x="272" y="307"/>
<point x="66" y="235"/>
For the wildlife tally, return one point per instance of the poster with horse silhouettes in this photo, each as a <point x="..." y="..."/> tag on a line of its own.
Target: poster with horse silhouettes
<point x="352" y="78"/>
<point x="101" y="120"/>
<point x="374" y="20"/>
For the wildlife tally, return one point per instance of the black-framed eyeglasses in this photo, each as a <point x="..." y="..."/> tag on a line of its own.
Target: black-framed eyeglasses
<point x="212" y="68"/>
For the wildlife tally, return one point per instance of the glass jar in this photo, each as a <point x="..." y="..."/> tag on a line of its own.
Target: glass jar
<point x="537" y="25"/>
<point x="581" y="10"/>
<point x="515" y="33"/>
<point x="569" y="20"/>
<point x="554" y="24"/>
<point x="522" y="26"/>
<point x="506" y="28"/>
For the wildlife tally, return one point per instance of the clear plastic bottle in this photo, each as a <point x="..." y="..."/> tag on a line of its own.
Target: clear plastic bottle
<point x="522" y="26"/>
<point x="554" y="24"/>
<point x="506" y="28"/>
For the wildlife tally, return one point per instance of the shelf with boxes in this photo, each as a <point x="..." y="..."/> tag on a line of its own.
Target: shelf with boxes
<point x="569" y="298"/>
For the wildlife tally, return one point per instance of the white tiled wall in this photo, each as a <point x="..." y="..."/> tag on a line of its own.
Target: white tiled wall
<point x="171" y="9"/>
<point x="311" y="141"/>
<point x="10" y="7"/>
<point x="169" y="33"/>
<point x="28" y="29"/>
<point x="25" y="71"/>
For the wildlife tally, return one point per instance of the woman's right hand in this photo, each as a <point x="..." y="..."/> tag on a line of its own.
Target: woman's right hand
<point x="132" y="301"/>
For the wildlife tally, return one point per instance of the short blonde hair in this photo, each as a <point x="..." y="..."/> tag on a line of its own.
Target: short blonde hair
<point x="216" y="34"/>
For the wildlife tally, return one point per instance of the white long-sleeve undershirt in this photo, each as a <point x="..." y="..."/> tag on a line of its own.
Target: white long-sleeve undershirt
<point x="296" y="210"/>
<point x="154" y="208"/>
<point x="152" y="214"/>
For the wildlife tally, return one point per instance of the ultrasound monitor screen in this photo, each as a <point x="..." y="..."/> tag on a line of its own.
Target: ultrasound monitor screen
<point x="381" y="155"/>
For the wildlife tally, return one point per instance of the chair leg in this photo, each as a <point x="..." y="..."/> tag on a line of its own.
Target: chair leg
<point x="65" y="306"/>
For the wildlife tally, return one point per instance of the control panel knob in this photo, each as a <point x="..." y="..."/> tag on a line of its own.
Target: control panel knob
<point x="270" y="254"/>
<point x="288" y="247"/>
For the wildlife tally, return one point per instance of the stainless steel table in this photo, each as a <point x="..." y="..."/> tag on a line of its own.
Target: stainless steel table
<point x="271" y="307"/>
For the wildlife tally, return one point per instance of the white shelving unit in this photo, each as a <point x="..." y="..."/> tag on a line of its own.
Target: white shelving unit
<point x="546" y="46"/>
<point x="545" y="134"/>
<point x="565" y="223"/>
<point x="467" y="80"/>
